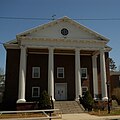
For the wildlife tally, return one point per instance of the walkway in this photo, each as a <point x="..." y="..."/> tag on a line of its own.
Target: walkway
<point x="86" y="116"/>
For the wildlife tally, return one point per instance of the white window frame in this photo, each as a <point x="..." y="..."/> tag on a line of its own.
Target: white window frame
<point x="38" y="88"/>
<point x="84" y="77"/>
<point x="33" y="72"/>
<point x="58" y="72"/>
<point x="85" y="88"/>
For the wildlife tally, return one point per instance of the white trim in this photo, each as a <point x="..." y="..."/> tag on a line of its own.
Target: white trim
<point x="33" y="72"/>
<point x="38" y="90"/>
<point x="11" y="46"/>
<point x="60" y="68"/>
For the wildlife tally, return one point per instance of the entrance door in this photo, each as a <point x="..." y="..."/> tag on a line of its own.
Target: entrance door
<point x="61" y="91"/>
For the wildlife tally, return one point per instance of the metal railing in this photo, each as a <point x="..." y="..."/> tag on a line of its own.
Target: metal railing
<point x="46" y="114"/>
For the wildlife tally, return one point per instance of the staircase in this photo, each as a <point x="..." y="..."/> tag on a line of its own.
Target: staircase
<point x="68" y="107"/>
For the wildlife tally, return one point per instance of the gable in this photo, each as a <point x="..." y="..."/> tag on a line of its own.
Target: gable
<point x="55" y="32"/>
<point x="53" y="29"/>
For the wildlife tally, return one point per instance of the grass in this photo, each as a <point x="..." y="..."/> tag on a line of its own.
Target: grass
<point x="105" y="112"/>
<point x="24" y="115"/>
<point x="21" y="115"/>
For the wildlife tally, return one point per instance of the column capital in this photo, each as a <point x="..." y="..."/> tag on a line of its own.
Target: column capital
<point x="23" y="47"/>
<point x="102" y="50"/>
<point x="51" y="48"/>
<point x="77" y="49"/>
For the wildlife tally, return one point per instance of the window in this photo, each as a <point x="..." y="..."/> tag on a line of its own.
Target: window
<point x="84" y="89"/>
<point x="84" y="73"/>
<point x="36" y="72"/>
<point x="64" y="31"/>
<point x="60" y="72"/>
<point x="35" y="91"/>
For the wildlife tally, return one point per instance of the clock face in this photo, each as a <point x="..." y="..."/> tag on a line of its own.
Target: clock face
<point x="64" y="31"/>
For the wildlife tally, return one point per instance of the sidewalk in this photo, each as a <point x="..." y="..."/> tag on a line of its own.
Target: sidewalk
<point x="86" y="116"/>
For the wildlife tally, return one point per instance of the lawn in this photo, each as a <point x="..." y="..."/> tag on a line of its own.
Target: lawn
<point x="21" y="115"/>
<point x="105" y="112"/>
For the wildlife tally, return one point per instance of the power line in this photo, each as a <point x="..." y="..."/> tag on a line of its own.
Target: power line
<point x="98" y="19"/>
<point x="25" y="18"/>
<point x="33" y="18"/>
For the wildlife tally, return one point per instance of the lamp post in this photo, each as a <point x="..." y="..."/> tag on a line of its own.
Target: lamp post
<point x="108" y="92"/>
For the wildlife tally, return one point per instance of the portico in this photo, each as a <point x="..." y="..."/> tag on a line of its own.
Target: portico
<point x="62" y="57"/>
<point x="51" y="83"/>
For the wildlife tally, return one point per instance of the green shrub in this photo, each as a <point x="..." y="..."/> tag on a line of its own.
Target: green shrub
<point x="44" y="102"/>
<point x="116" y="94"/>
<point x="88" y="101"/>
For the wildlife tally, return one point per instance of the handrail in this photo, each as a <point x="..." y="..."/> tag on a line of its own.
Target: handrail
<point x="45" y="112"/>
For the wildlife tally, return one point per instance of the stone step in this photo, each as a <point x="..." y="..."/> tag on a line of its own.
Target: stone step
<point x="68" y="106"/>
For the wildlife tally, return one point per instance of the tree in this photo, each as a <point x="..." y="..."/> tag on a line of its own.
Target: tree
<point x="44" y="102"/>
<point x="2" y="80"/>
<point x="112" y="65"/>
<point x="87" y="101"/>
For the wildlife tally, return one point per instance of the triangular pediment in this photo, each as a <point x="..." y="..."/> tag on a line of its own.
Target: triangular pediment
<point x="53" y="29"/>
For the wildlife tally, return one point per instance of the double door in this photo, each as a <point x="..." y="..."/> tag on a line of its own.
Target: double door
<point x="61" y="91"/>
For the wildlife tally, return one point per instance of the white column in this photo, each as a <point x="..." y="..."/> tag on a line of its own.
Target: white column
<point x="103" y="75"/>
<point x="22" y="76"/>
<point x="51" y="73"/>
<point x="95" y="77"/>
<point x="78" y="89"/>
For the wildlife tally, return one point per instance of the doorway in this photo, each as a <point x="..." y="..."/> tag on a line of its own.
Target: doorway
<point x="61" y="91"/>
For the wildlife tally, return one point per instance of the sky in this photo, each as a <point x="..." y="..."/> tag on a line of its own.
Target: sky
<point x="102" y="16"/>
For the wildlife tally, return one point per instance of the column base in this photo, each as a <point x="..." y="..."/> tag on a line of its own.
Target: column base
<point x="95" y="98"/>
<point x="21" y="101"/>
<point x="53" y="99"/>
<point x="105" y="98"/>
<point x="77" y="99"/>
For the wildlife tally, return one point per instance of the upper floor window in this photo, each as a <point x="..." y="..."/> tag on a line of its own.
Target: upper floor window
<point x="60" y="72"/>
<point x="35" y="72"/>
<point x="84" y="73"/>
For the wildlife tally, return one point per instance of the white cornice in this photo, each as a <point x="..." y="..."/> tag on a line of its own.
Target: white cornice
<point x="63" y="40"/>
<point x="11" y="46"/>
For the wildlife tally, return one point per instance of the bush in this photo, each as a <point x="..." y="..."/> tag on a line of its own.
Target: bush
<point x="44" y="102"/>
<point x="87" y="101"/>
<point x="116" y="95"/>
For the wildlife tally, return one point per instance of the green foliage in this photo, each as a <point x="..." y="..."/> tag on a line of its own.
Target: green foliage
<point x="88" y="98"/>
<point x="44" y="102"/>
<point x="87" y="101"/>
<point x="112" y="64"/>
<point x="116" y="95"/>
